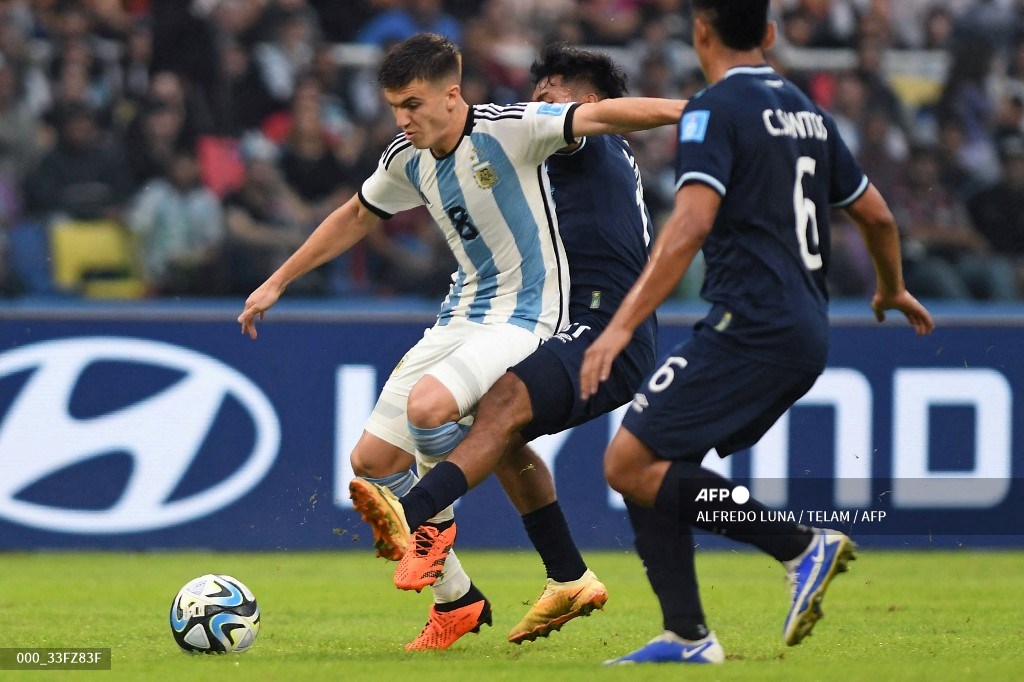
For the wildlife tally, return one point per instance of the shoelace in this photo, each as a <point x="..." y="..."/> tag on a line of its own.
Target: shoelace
<point x="423" y="539"/>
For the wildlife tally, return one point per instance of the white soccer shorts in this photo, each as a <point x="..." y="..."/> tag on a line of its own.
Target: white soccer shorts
<point x="466" y="357"/>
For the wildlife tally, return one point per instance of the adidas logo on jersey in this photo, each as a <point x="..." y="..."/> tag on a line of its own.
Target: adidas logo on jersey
<point x="639" y="402"/>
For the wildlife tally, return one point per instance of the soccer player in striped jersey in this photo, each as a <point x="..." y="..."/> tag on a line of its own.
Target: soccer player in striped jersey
<point x="758" y="166"/>
<point x="606" y="229"/>
<point x="479" y="171"/>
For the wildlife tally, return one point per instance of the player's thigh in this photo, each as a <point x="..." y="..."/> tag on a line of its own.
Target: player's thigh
<point x="389" y="419"/>
<point x="485" y="353"/>
<point x="505" y="408"/>
<point x="552" y="379"/>
<point x="465" y="357"/>
<point x="705" y="396"/>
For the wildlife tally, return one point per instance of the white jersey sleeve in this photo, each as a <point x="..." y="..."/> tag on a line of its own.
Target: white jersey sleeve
<point x="530" y="132"/>
<point x="389" y="190"/>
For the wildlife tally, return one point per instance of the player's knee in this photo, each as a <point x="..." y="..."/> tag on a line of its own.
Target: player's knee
<point x="623" y="475"/>
<point x="430" y="407"/>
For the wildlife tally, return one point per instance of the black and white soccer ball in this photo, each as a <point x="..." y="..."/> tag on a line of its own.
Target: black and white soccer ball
<point x="215" y="614"/>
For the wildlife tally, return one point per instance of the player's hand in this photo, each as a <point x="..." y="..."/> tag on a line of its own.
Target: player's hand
<point x="597" y="361"/>
<point x="917" y="315"/>
<point x="256" y="305"/>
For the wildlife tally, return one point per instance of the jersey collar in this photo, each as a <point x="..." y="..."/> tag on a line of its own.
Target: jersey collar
<point x="762" y="70"/>
<point x="465" y="133"/>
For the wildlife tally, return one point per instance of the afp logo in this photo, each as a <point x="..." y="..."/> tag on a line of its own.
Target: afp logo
<point x="61" y="418"/>
<point x="739" y="494"/>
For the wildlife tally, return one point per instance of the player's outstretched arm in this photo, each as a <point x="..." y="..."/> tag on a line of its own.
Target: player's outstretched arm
<point x="625" y="114"/>
<point x="881" y="235"/>
<point x="676" y="245"/>
<point x="336" y="234"/>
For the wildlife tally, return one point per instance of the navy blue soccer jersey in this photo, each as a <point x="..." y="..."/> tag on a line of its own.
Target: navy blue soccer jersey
<point x="606" y="232"/>
<point x="602" y="218"/>
<point x="779" y="163"/>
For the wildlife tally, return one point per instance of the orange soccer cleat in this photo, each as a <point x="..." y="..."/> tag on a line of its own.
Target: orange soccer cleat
<point x="424" y="559"/>
<point x="444" y="628"/>
<point x="381" y="509"/>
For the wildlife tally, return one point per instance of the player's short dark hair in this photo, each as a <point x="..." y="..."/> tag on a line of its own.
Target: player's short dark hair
<point x="740" y="24"/>
<point x="425" y="56"/>
<point x="574" y="65"/>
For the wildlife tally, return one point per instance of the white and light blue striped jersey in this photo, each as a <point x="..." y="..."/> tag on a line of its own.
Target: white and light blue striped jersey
<point x="492" y="199"/>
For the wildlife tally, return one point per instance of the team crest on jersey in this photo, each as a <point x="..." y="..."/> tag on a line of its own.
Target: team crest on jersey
<point x="483" y="172"/>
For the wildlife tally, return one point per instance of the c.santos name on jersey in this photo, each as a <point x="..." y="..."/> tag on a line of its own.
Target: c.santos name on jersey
<point x="796" y="124"/>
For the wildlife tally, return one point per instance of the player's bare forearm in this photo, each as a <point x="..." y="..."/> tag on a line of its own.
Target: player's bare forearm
<point x="674" y="250"/>
<point x="336" y="234"/>
<point x="881" y="236"/>
<point x="625" y="114"/>
<point x="669" y="261"/>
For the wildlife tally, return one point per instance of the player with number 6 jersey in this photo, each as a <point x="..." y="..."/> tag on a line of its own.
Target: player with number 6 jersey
<point x="758" y="168"/>
<point x="766" y="237"/>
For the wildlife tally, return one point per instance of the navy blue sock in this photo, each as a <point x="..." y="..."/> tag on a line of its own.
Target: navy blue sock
<point x="550" y="536"/>
<point x="666" y="548"/>
<point x="440" y="487"/>
<point x="678" y="495"/>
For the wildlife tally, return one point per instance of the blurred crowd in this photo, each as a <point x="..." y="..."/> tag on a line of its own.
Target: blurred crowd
<point x="216" y="134"/>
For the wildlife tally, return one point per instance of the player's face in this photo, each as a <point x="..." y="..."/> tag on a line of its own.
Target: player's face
<point x="424" y="110"/>
<point x="554" y="89"/>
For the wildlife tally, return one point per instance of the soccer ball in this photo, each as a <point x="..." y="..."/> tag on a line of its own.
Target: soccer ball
<point x="215" y="614"/>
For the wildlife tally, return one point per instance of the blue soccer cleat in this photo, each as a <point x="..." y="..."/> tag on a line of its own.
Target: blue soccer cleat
<point x="809" y="574"/>
<point x="671" y="648"/>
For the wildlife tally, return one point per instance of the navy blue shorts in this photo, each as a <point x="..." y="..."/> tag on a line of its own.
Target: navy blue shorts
<point x="552" y="375"/>
<point x="704" y="396"/>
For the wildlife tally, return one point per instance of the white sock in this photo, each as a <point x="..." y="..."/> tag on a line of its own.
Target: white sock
<point x="454" y="581"/>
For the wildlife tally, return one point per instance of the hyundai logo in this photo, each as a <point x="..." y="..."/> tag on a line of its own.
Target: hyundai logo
<point x="162" y="433"/>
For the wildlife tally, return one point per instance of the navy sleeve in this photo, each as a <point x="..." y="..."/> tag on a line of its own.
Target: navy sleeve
<point x="705" y="151"/>
<point x="848" y="179"/>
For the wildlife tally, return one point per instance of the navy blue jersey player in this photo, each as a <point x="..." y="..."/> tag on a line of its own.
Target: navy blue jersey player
<point x="606" y="230"/>
<point x="759" y="165"/>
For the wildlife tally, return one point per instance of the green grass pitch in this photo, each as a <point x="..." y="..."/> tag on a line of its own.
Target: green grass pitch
<point x="336" y="616"/>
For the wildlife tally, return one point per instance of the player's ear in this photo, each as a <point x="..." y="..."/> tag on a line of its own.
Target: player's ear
<point x="769" y="36"/>
<point x="701" y="31"/>
<point x="591" y="97"/>
<point x="452" y="96"/>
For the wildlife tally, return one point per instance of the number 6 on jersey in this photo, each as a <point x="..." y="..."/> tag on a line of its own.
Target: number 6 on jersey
<point x="665" y="375"/>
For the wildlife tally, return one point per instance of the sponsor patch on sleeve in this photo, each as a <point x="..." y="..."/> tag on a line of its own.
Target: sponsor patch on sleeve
<point x="694" y="126"/>
<point x="552" y="108"/>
